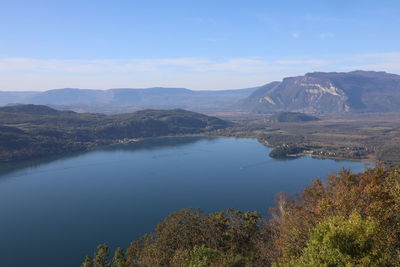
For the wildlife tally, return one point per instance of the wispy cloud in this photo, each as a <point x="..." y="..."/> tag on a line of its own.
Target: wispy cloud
<point x="210" y="39"/>
<point x="203" y="21"/>
<point x="326" y="19"/>
<point x="296" y="35"/>
<point x="191" y="72"/>
<point x="87" y="66"/>
<point x="196" y="73"/>
<point x="389" y="62"/>
<point x="313" y="62"/>
<point x="326" y="35"/>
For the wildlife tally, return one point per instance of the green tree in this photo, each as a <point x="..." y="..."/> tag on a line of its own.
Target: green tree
<point x="88" y="262"/>
<point x="101" y="257"/>
<point x="202" y="256"/>
<point x="119" y="259"/>
<point x="342" y="242"/>
<point x="317" y="228"/>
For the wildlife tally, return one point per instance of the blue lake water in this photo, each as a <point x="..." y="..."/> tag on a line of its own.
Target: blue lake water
<point x="56" y="211"/>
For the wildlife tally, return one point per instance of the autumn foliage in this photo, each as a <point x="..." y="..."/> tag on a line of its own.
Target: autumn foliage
<point x="348" y="220"/>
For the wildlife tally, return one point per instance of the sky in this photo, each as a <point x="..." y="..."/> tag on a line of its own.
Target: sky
<point x="212" y="45"/>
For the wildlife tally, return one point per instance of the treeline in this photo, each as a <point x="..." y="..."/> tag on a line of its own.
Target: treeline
<point x="286" y="151"/>
<point x="349" y="220"/>
<point x="292" y="117"/>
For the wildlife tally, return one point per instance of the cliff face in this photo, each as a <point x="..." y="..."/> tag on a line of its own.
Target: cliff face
<point x="357" y="91"/>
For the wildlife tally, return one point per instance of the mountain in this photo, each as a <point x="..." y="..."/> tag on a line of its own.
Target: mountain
<point x="127" y="100"/>
<point x="28" y="131"/>
<point x="317" y="92"/>
<point x="9" y="97"/>
<point x="328" y="92"/>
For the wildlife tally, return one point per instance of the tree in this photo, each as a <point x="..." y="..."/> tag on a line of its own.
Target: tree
<point x="101" y="257"/>
<point x="202" y="256"/>
<point x="88" y="262"/>
<point x="119" y="259"/>
<point x="352" y="219"/>
<point x="342" y="242"/>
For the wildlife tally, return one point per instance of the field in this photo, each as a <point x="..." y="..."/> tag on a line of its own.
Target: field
<point x="349" y="136"/>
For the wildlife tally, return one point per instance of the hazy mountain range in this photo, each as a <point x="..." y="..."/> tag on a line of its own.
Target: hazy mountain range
<point x="318" y="92"/>
<point x="128" y="99"/>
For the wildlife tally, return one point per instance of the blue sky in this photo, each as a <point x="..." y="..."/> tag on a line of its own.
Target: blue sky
<point x="195" y="44"/>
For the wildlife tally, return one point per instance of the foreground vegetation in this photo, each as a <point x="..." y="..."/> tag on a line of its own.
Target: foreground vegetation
<point x="351" y="220"/>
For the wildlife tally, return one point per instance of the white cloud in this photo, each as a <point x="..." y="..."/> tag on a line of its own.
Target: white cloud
<point x="209" y="39"/>
<point x="191" y="72"/>
<point x="393" y="56"/>
<point x="21" y="65"/>
<point x="240" y="65"/>
<point x="296" y="35"/>
<point x="313" y="62"/>
<point x="203" y="21"/>
<point x="326" y="35"/>
<point x="389" y="62"/>
<point x="88" y="66"/>
<point x="196" y="72"/>
<point x="324" y="19"/>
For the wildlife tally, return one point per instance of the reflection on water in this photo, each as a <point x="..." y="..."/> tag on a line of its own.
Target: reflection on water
<point x="146" y="144"/>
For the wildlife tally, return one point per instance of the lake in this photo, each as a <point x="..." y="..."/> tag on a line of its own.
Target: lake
<point x="55" y="211"/>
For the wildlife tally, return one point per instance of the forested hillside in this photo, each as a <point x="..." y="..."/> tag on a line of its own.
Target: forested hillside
<point x="28" y="131"/>
<point x="292" y="117"/>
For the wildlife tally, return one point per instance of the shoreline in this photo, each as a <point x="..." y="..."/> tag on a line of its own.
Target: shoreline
<point x="126" y="141"/>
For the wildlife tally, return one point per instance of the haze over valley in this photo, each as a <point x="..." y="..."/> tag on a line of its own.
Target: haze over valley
<point x="324" y="93"/>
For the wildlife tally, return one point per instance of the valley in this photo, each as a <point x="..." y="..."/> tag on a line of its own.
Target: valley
<point x="369" y="137"/>
<point x="344" y="115"/>
<point x="34" y="131"/>
<point x="199" y="133"/>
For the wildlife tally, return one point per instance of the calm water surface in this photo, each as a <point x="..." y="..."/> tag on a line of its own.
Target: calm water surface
<point x="54" y="213"/>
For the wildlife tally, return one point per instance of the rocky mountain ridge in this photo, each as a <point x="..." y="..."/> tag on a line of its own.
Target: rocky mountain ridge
<point x="333" y="92"/>
<point x="317" y="92"/>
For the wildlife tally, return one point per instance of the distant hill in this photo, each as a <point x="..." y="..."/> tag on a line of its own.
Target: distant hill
<point x="317" y="92"/>
<point x="292" y="117"/>
<point x="30" y="109"/>
<point x="127" y="100"/>
<point x="28" y="131"/>
<point x="9" y="97"/>
<point x="331" y="92"/>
